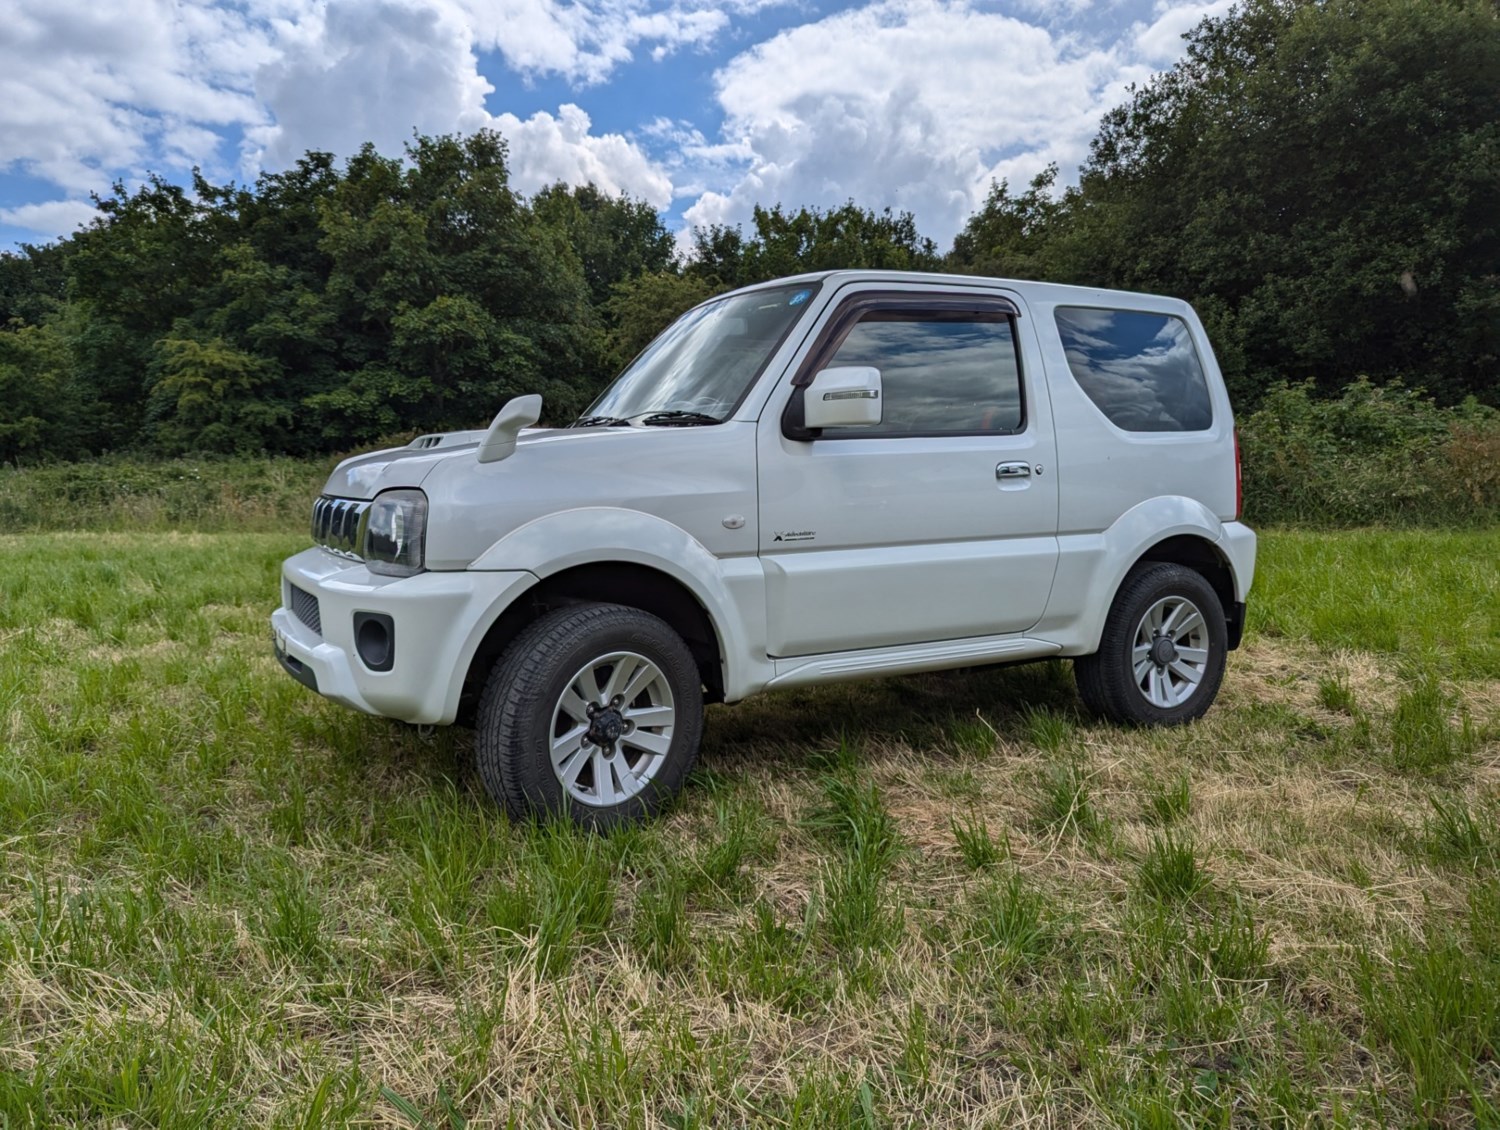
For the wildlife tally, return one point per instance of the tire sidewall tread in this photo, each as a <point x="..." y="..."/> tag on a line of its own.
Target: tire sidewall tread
<point x="513" y="729"/>
<point x="1105" y="679"/>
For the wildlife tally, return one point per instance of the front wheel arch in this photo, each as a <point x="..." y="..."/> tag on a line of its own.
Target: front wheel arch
<point x="605" y="582"/>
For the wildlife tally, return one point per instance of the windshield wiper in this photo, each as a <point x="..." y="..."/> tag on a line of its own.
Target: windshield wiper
<point x="676" y="418"/>
<point x="599" y="422"/>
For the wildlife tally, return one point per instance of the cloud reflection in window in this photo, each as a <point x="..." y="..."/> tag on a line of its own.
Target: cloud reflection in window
<point x="946" y="375"/>
<point x="1141" y="370"/>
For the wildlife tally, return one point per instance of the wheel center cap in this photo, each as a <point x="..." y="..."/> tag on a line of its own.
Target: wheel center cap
<point x="1163" y="651"/>
<point x="606" y="727"/>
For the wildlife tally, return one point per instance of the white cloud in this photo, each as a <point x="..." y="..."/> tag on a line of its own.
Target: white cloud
<point x="911" y="104"/>
<point x="49" y="217"/>
<point x="918" y="105"/>
<point x="585" y="41"/>
<point x="379" y="71"/>
<point x="88" y="90"/>
<point x="375" y="71"/>
<point x="91" y="93"/>
<point x="915" y="104"/>
<point x="1160" y="42"/>
<point x="545" y="149"/>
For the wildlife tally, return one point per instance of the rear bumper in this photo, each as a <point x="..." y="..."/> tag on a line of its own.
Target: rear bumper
<point x="1234" y="624"/>
<point x="1237" y="543"/>
<point x="437" y="621"/>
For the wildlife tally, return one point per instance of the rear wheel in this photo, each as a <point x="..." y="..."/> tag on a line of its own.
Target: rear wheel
<point x="1161" y="655"/>
<point x="595" y="710"/>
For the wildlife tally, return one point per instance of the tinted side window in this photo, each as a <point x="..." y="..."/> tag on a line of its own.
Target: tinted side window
<point x="939" y="371"/>
<point x="1141" y="370"/>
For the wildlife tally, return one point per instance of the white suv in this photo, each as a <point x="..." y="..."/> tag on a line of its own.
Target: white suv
<point x="833" y="476"/>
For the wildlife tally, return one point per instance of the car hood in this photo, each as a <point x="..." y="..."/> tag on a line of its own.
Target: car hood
<point x="365" y="476"/>
<point x="538" y="450"/>
<point x="693" y="477"/>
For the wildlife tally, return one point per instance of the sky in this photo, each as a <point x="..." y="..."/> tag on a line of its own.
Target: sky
<point x="704" y="108"/>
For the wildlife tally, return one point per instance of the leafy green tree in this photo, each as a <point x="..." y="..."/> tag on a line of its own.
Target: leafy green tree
<point x="33" y="284"/>
<point x="641" y="307"/>
<point x="1323" y="176"/>
<point x="257" y="339"/>
<point x="811" y="239"/>
<point x="1010" y="234"/>
<point x="141" y="266"/>
<point x="209" y="396"/>
<point x="42" y="415"/>
<point x="447" y="294"/>
<point x="614" y="237"/>
<point x="718" y="256"/>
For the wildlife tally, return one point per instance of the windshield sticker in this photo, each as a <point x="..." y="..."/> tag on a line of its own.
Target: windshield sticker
<point x="799" y="298"/>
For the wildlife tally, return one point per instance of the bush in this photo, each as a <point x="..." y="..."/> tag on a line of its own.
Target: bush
<point x="1375" y="455"/>
<point x="132" y="494"/>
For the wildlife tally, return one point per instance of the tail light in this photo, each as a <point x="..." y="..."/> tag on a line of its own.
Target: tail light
<point x="1239" y="479"/>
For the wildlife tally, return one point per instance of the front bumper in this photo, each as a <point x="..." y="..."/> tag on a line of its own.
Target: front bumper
<point x="437" y="622"/>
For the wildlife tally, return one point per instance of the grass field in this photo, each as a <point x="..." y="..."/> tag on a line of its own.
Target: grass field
<point x="945" y="900"/>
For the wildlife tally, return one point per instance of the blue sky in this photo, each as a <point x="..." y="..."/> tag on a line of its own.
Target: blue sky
<point x="703" y="107"/>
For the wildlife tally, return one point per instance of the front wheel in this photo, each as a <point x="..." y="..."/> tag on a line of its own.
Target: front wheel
<point x="596" y="711"/>
<point x="1161" y="656"/>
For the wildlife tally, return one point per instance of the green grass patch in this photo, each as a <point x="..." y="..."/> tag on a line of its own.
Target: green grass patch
<point x="1065" y="805"/>
<point x="1432" y="596"/>
<point x="977" y="846"/>
<point x="1169" y="871"/>
<point x="1424" y="738"/>
<point x="1438" y="1006"/>
<point x="1171" y="801"/>
<point x="227" y="902"/>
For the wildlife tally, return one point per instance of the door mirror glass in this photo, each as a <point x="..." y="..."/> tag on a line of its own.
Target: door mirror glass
<point x="845" y="396"/>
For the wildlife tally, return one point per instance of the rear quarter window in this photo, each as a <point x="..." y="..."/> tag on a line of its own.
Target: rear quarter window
<point x="1141" y="370"/>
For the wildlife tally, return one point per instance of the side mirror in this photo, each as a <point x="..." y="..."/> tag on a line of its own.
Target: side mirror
<point x="844" y="397"/>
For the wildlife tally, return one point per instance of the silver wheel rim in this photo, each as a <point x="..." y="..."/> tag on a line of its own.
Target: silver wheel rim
<point x="1170" y="654"/>
<point x="611" y="728"/>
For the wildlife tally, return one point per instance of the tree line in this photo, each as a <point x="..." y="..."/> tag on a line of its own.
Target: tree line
<point x="1320" y="178"/>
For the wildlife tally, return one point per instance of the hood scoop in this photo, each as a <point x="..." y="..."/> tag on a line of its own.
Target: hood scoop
<point x="445" y="439"/>
<point x="500" y="440"/>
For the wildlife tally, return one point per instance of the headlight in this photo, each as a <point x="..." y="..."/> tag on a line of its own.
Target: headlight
<point x="394" y="533"/>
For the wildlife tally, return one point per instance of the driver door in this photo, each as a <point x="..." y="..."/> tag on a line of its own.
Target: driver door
<point x="938" y="523"/>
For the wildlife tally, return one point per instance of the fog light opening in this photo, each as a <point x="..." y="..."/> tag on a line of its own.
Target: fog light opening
<point x="375" y="640"/>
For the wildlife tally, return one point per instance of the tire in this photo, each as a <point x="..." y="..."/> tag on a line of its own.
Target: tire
<point x="1133" y="678"/>
<point x="616" y="760"/>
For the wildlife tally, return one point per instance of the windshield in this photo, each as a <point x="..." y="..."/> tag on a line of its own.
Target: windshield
<point x="700" y="366"/>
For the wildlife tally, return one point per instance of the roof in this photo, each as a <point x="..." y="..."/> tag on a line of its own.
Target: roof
<point x="1045" y="291"/>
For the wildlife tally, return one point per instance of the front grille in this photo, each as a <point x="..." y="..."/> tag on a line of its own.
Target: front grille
<point x="305" y="608"/>
<point x="335" y="524"/>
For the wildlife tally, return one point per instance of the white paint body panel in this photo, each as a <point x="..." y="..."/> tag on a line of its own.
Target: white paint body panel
<point x="440" y="619"/>
<point x="914" y="538"/>
<point x="918" y="558"/>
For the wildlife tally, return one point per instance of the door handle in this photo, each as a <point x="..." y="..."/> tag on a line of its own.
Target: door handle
<point x="1013" y="471"/>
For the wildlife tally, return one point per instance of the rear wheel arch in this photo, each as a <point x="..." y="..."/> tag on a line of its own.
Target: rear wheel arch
<point x="1161" y="653"/>
<point x="1203" y="557"/>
